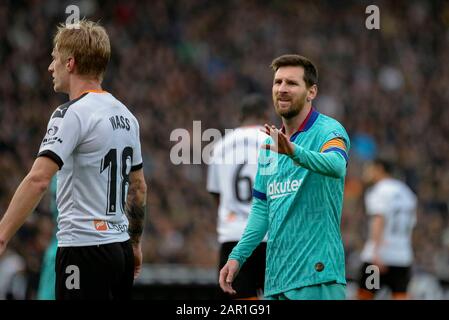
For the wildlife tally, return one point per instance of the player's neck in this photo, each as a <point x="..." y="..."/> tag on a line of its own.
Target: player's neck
<point x="291" y="125"/>
<point x="79" y="85"/>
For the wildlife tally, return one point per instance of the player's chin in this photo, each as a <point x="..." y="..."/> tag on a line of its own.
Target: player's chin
<point x="56" y="88"/>
<point x="286" y="112"/>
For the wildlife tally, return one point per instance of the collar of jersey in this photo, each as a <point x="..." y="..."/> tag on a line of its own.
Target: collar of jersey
<point x="94" y="91"/>
<point x="306" y="124"/>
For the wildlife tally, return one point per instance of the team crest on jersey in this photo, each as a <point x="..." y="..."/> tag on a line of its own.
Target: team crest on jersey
<point x="100" y="225"/>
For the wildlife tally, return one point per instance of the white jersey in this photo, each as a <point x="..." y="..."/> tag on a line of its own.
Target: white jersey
<point x="95" y="142"/>
<point x="231" y="174"/>
<point x="397" y="203"/>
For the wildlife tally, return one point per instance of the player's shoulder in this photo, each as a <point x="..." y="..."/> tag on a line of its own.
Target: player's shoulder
<point x="389" y="184"/>
<point x="252" y="133"/>
<point x="83" y="106"/>
<point x="95" y="104"/>
<point x="125" y="109"/>
<point x="328" y="123"/>
<point x="61" y="111"/>
<point x="330" y="127"/>
<point x="236" y="135"/>
<point x="399" y="188"/>
<point x="394" y="187"/>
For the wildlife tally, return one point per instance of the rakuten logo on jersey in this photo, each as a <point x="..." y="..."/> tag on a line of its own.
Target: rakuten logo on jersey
<point x="284" y="188"/>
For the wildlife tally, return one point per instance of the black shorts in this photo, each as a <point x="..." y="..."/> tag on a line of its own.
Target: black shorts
<point x="104" y="272"/>
<point x="250" y="279"/>
<point x="395" y="278"/>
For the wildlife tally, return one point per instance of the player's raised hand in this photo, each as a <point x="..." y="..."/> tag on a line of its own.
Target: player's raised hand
<point x="281" y="144"/>
<point x="227" y="276"/>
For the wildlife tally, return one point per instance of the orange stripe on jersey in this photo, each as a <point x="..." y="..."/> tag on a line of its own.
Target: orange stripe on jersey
<point x="94" y="91"/>
<point x="334" y="143"/>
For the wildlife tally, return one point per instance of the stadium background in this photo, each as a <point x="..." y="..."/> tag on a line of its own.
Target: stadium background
<point x="174" y="62"/>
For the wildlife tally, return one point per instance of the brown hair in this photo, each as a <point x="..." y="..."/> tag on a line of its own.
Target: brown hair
<point x="88" y="43"/>
<point x="295" y="60"/>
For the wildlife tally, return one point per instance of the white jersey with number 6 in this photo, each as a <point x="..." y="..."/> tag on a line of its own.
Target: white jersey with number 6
<point x="231" y="174"/>
<point x="95" y="141"/>
<point x="395" y="201"/>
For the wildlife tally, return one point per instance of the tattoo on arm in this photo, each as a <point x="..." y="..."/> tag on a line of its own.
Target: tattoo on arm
<point x="136" y="216"/>
<point x="136" y="210"/>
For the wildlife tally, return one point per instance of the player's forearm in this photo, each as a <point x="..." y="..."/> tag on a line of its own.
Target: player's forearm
<point x="254" y="232"/>
<point x="136" y="210"/>
<point x="24" y="201"/>
<point x="330" y="164"/>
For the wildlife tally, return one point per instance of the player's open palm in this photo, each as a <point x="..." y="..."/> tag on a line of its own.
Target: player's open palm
<point x="281" y="144"/>
<point x="227" y="276"/>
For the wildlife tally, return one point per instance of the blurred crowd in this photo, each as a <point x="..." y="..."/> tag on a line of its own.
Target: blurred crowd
<point x="175" y="62"/>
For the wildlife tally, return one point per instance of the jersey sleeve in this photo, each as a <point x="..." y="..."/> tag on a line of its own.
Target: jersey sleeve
<point x="64" y="132"/>
<point x="137" y="162"/>
<point x="336" y="140"/>
<point x="266" y="163"/>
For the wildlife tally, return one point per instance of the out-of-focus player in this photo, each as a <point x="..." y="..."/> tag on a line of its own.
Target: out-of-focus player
<point x="230" y="180"/>
<point x="391" y="206"/>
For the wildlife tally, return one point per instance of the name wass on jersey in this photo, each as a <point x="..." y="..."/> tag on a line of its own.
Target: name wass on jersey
<point x="231" y="174"/>
<point x="95" y="141"/>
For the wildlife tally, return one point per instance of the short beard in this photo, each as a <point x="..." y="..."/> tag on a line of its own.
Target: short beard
<point x="295" y="108"/>
<point x="292" y="112"/>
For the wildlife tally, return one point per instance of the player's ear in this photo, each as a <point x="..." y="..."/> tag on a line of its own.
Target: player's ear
<point x="312" y="92"/>
<point x="70" y="64"/>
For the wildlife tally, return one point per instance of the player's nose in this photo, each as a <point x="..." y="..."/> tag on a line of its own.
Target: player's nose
<point x="283" y="87"/>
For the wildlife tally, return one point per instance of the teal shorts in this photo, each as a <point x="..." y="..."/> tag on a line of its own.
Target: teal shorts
<point x="324" y="291"/>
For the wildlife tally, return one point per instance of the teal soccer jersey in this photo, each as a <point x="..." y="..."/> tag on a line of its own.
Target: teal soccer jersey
<point x="299" y="198"/>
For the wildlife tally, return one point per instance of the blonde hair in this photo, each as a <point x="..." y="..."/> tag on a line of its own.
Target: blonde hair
<point x="88" y="43"/>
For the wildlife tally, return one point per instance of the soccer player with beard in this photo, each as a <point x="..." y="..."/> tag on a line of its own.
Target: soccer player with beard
<point x="298" y="194"/>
